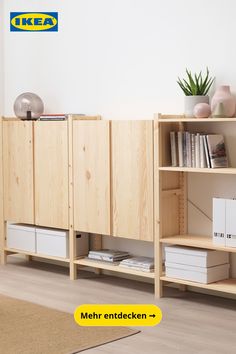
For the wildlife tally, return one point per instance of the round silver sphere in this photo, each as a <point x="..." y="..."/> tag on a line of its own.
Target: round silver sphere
<point x="28" y="106"/>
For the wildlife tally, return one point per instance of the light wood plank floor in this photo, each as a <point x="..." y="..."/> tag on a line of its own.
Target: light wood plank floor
<point x="192" y="323"/>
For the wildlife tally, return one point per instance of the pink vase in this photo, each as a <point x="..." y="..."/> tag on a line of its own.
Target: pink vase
<point x="224" y="96"/>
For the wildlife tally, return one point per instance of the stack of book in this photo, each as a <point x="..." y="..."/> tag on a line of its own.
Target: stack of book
<point x="112" y="256"/>
<point x="197" y="150"/>
<point x="144" y="264"/>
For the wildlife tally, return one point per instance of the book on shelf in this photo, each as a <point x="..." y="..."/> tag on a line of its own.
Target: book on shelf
<point x="188" y="147"/>
<point x="114" y="263"/>
<point x="208" y="163"/>
<point x="145" y="264"/>
<point x="180" y="149"/>
<point x="173" y="146"/>
<point x="108" y="255"/>
<point x="217" y="151"/>
<point x="203" y="163"/>
<point x="197" y="150"/>
<point x="193" y="160"/>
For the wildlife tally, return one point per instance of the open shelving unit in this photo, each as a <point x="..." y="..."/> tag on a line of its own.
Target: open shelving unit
<point x="171" y="225"/>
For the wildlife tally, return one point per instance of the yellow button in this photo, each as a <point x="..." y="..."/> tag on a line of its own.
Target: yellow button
<point x="118" y="315"/>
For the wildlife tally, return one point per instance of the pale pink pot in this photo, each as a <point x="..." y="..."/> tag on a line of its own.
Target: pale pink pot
<point x="202" y="110"/>
<point x="224" y="96"/>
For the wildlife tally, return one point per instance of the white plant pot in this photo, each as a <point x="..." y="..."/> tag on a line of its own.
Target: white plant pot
<point x="191" y="101"/>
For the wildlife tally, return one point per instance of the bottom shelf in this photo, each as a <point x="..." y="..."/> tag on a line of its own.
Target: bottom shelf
<point x="114" y="268"/>
<point x="226" y="286"/>
<point x="26" y="253"/>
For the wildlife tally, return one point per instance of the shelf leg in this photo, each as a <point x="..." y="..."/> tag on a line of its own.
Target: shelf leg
<point x="182" y="287"/>
<point x="73" y="266"/>
<point x="28" y="258"/>
<point x="158" y="289"/>
<point x="73" y="271"/>
<point x="97" y="271"/>
<point x="3" y="258"/>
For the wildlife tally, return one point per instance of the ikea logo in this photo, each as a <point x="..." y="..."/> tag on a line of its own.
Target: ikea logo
<point x="34" y="21"/>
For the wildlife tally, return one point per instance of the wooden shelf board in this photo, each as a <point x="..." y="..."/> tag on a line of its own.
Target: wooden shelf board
<point x="196" y="241"/>
<point x="13" y="250"/>
<point x="226" y="286"/>
<point x="115" y="268"/>
<point x="195" y="120"/>
<point x="228" y="171"/>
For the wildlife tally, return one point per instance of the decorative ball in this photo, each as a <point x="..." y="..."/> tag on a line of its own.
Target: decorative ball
<point x="28" y="106"/>
<point x="202" y="110"/>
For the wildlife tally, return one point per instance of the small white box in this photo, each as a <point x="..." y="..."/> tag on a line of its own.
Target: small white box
<point x="197" y="257"/>
<point x="197" y="274"/>
<point x="52" y="242"/>
<point x="21" y="237"/>
<point x="219" y="221"/>
<point x="231" y="223"/>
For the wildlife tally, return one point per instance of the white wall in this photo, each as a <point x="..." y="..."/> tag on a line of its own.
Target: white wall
<point x="121" y="59"/>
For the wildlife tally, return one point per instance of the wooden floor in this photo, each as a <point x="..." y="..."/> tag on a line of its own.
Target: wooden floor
<point x="192" y="323"/>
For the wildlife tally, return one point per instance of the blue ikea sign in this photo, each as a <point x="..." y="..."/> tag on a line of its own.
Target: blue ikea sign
<point x="34" y="21"/>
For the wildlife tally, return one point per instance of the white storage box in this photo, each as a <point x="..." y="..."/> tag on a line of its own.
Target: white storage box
<point x="52" y="242"/>
<point x="195" y="256"/>
<point x="230" y="222"/>
<point x="219" y="221"/>
<point x="21" y="237"/>
<point x="197" y="274"/>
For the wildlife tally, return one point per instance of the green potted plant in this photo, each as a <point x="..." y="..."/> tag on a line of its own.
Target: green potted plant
<point x="195" y="88"/>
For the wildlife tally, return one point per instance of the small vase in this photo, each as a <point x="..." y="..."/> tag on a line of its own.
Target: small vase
<point x="191" y="101"/>
<point x="223" y="96"/>
<point x="202" y="110"/>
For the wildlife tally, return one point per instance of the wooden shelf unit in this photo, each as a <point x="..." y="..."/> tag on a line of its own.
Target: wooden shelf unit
<point x="112" y="267"/>
<point x="82" y="174"/>
<point x="171" y="202"/>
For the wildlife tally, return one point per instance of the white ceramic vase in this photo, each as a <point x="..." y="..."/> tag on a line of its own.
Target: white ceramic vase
<point x="224" y="97"/>
<point x="191" y="101"/>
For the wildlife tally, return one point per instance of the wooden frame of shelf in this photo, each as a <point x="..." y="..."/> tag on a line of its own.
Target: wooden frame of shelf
<point x="171" y="211"/>
<point x="225" y="286"/>
<point x="222" y="171"/>
<point x="38" y="255"/>
<point x="198" y="241"/>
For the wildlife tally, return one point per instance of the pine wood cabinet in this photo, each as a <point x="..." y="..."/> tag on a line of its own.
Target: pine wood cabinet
<point x="91" y="177"/>
<point x="82" y="174"/>
<point x="132" y="179"/>
<point x="51" y="174"/>
<point x="18" y="181"/>
<point x="35" y="173"/>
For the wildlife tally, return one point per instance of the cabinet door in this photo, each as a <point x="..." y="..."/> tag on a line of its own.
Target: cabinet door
<point x="91" y="167"/>
<point x="51" y="174"/>
<point x="18" y="171"/>
<point x="132" y="179"/>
